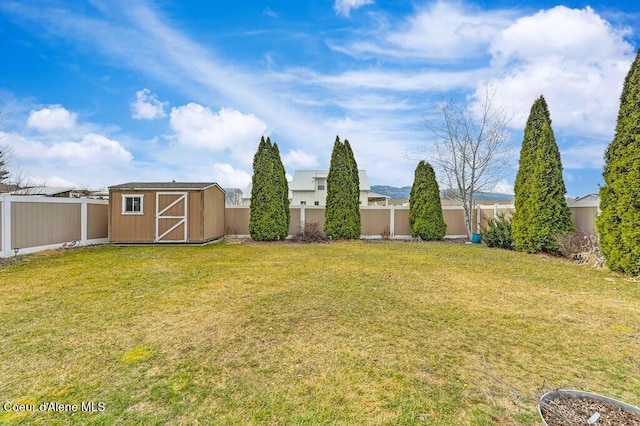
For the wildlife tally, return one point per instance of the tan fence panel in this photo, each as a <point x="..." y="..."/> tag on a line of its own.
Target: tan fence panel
<point x="375" y="222"/>
<point x="41" y="224"/>
<point x="236" y="220"/>
<point x="314" y="215"/>
<point x="455" y="222"/>
<point x="97" y="221"/>
<point x="294" y="223"/>
<point x="401" y="222"/>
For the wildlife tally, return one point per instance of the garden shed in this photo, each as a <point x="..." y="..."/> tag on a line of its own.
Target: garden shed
<point x="166" y="212"/>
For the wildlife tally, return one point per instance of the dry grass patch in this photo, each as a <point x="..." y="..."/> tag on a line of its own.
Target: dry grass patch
<point x="340" y="333"/>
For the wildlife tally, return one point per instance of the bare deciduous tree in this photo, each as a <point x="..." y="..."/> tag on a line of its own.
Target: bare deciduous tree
<point x="472" y="148"/>
<point x="4" y="171"/>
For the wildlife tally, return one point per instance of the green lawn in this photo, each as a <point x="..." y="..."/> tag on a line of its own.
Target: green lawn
<point x="342" y="333"/>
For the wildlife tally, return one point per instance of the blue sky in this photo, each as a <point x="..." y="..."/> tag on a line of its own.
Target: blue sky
<point x="96" y="93"/>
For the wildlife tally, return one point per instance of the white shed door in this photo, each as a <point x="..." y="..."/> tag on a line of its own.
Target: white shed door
<point x="171" y="217"/>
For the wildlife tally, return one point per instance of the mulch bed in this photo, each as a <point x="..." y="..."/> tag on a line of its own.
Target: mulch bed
<point x="578" y="411"/>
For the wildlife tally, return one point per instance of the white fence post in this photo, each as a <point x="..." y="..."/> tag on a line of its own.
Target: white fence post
<point x="6" y="226"/>
<point x="84" y="221"/>
<point x="392" y="221"/>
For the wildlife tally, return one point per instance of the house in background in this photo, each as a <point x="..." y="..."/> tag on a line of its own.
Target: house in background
<point x="45" y="191"/>
<point x="166" y="212"/>
<point x="309" y="188"/>
<point x="585" y="209"/>
<point x="589" y="200"/>
<point x="233" y="196"/>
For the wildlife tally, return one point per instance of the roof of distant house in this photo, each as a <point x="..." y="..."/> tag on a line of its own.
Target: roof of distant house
<point x="47" y="191"/>
<point x="304" y="180"/>
<point x="185" y="186"/>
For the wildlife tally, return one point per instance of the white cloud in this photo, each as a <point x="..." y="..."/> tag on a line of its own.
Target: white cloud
<point x="52" y="118"/>
<point x="93" y="149"/>
<point x="573" y="57"/>
<point x="503" y="187"/>
<point x="573" y="34"/>
<point x="92" y="161"/>
<point x="54" y="181"/>
<point x="298" y="159"/>
<point x="270" y="13"/>
<point x="199" y="127"/>
<point x="228" y="177"/>
<point x="381" y="79"/>
<point x="584" y="155"/>
<point x="440" y="31"/>
<point x="344" y="7"/>
<point x="147" y="106"/>
<point x="446" y="30"/>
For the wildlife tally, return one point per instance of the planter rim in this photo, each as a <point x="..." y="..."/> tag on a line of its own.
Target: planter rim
<point x="571" y="393"/>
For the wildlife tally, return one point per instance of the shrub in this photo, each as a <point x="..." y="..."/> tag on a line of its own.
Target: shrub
<point x="497" y="233"/>
<point x="311" y="233"/>
<point x="582" y="248"/>
<point x="386" y="233"/>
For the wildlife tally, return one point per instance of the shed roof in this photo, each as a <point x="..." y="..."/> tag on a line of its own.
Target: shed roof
<point x="184" y="186"/>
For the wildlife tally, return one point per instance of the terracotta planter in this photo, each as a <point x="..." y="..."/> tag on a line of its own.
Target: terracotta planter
<point x="546" y="414"/>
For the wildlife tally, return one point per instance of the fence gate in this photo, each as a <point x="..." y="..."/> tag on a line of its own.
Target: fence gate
<point x="171" y="217"/>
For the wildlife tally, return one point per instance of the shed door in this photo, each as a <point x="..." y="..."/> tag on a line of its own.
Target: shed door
<point x="171" y="217"/>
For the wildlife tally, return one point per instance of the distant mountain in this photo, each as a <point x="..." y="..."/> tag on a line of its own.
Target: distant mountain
<point x="392" y="191"/>
<point x="405" y="191"/>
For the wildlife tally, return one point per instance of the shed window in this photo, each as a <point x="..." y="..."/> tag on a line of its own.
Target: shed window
<point x="132" y="204"/>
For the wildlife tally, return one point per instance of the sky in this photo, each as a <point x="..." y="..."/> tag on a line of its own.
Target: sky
<point x="101" y="92"/>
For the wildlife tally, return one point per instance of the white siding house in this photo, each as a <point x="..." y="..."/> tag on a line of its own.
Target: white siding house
<point x="309" y="188"/>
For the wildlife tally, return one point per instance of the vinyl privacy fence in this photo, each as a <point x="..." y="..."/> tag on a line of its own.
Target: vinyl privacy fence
<point x="393" y="221"/>
<point x="29" y="224"/>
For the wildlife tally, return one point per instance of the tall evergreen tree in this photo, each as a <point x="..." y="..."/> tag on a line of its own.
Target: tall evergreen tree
<point x="342" y="214"/>
<point x="425" y="209"/>
<point x="542" y="214"/>
<point x="269" y="214"/>
<point x="619" y="221"/>
<point x="355" y="175"/>
<point x="284" y="214"/>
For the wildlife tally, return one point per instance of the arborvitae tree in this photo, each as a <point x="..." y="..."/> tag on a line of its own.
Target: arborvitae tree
<point x="284" y="214"/>
<point x="269" y="215"/>
<point x="425" y="209"/>
<point x="342" y="214"/>
<point x="542" y="214"/>
<point x="355" y="174"/>
<point x="538" y="117"/>
<point x="619" y="221"/>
